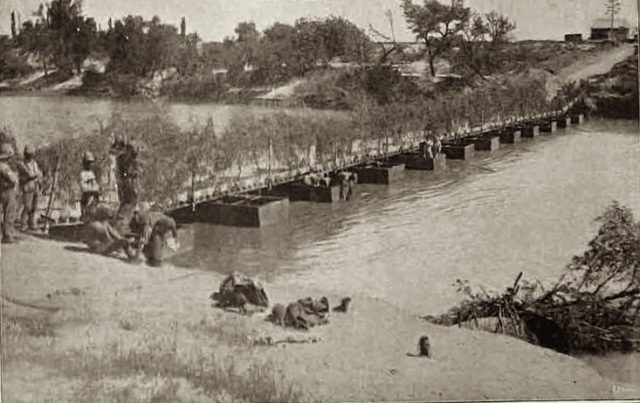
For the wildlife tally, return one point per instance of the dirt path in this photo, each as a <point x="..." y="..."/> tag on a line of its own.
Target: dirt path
<point x="596" y="64"/>
<point x="361" y="355"/>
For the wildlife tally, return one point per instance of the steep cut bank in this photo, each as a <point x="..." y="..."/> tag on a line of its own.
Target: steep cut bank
<point x="615" y="94"/>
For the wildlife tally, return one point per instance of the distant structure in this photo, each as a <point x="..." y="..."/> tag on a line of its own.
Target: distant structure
<point x="601" y="29"/>
<point x="575" y="38"/>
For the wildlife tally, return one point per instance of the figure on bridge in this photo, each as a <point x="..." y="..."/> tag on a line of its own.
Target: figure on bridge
<point x="127" y="169"/>
<point x="89" y="186"/>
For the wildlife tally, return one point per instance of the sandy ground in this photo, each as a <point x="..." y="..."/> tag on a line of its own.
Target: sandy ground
<point x="361" y="355"/>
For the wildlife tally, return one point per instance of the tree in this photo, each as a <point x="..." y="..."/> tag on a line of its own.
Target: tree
<point x="162" y="45"/>
<point x="342" y="38"/>
<point x="127" y="51"/>
<point x="276" y="57"/>
<point x="36" y="39"/>
<point x="499" y="27"/>
<point x="472" y="53"/>
<point x="83" y="37"/>
<point x="71" y="36"/>
<point x="394" y="45"/>
<point x="438" y="25"/>
<point x="12" y="62"/>
<point x="183" y="27"/>
<point x="247" y="32"/>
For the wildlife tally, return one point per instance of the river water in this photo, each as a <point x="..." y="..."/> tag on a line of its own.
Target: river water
<point x="40" y="120"/>
<point x="526" y="208"/>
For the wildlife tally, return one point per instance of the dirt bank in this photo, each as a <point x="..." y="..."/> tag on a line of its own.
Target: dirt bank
<point x="596" y="64"/>
<point x="81" y="327"/>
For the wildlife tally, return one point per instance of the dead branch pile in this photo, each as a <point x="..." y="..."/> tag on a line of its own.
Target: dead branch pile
<point x="593" y="307"/>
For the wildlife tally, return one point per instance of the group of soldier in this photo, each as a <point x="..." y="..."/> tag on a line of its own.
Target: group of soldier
<point x="133" y="228"/>
<point x="342" y="178"/>
<point x="22" y="185"/>
<point x="432" y="146"/>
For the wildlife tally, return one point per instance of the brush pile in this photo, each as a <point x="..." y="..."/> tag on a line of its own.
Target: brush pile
<point x="593" y="307"/>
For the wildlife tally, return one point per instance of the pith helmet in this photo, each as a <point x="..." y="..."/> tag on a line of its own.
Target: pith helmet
<point x="29" y="150"/>
<point x="6" y="151"/>
<point x="88" y="157"/>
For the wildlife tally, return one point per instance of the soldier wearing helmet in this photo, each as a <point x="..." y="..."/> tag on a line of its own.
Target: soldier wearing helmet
<point x="8" y="188"/>
<point x="89" y="185"/>
<point x="30" y="184"/>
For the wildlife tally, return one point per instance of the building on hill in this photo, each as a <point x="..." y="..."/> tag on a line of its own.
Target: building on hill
<point x="601" y="29"/>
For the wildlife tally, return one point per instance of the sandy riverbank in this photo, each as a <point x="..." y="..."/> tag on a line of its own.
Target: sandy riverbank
<point x="145" y="333"/>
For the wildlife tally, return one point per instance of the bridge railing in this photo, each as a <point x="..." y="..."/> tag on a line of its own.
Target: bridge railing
<point x="253" y="184"/>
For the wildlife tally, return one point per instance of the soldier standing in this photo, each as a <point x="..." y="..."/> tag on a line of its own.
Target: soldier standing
<point x="89" y="185"/>
<point x="30" y="178"/>
<point x="8" y="188"/>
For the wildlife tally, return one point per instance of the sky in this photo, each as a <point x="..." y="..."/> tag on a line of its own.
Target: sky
<point x="215" y="19"/>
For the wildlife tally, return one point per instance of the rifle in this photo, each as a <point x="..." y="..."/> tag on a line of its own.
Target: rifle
<point x="51" y="196"/>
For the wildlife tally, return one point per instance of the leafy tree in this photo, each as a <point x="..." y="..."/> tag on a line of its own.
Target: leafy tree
<point x="499" y="27"/>
<point x="83" y="37"/>
<point x="189" y="60"/>
<point x="310" y="45"/>
<point x="127" y="50"/>
<point x="342" y="38"/>
<point x="247" y="32"/>
<point x="437" y="24"/>
<point x="12" y="63"/>
<point x="473" y="54"/>
<point x="36" y="38"/>
<point x="162" y="45"/>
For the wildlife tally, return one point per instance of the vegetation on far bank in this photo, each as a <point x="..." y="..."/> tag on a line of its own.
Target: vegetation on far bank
<point x="154" y="58"/>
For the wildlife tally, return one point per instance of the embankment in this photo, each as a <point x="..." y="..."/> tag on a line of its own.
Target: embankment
<point x="143" y="332"/>
<point x="614" y="94"/>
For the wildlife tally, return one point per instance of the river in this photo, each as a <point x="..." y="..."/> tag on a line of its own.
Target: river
<point x="529" y="207"/>
<point x="524" y="208"/>
<point x="40" y="120"/>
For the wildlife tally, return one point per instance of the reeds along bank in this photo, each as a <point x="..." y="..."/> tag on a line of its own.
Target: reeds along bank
<point x="175" y="160"/>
